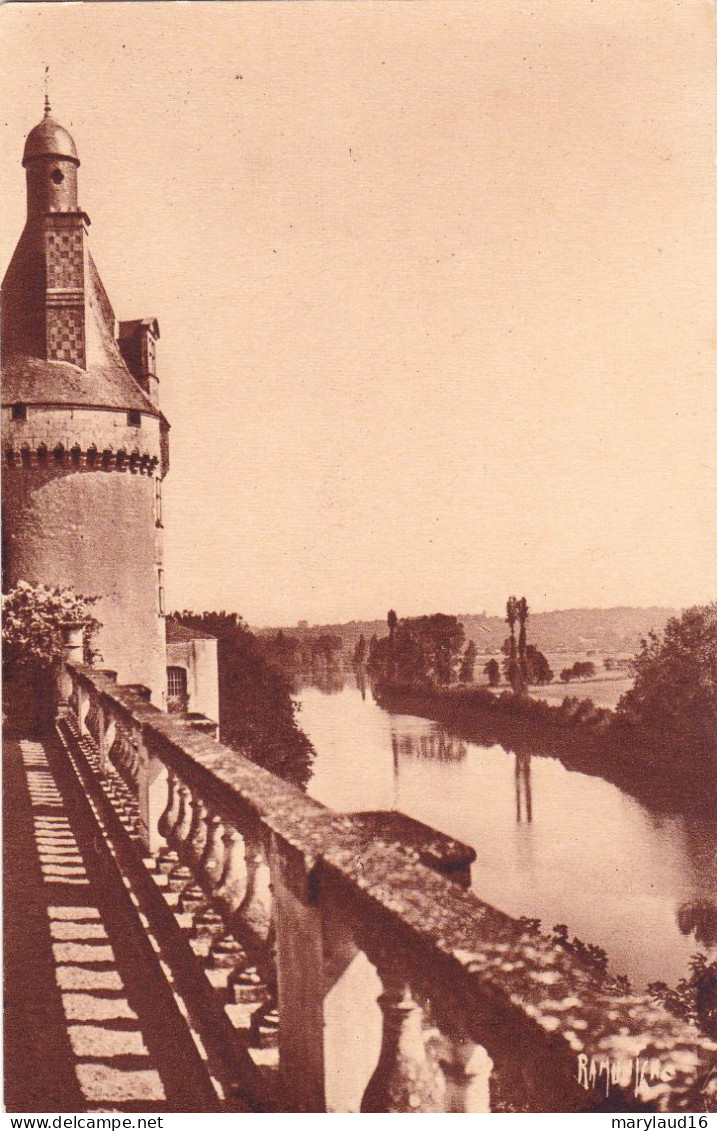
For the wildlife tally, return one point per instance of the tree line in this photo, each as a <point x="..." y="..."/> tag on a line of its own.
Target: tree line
<point x="304" y="653"/>
<point x="433" y="651"/>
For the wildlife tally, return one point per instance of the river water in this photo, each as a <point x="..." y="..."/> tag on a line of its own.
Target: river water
<point x="552" y="844"/>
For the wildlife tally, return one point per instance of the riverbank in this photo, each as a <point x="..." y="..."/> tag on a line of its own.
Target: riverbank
<point x="583" y="737"/>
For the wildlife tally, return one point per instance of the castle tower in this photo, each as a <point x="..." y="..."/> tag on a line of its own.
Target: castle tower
<point x="84" y="445"/>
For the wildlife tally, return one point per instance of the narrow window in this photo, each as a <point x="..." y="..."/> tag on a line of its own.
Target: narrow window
<point x="134" y="418"/>
<point x="19" y="412"/>
<point x="160" y="591"/>
<point x="158" y="502"/>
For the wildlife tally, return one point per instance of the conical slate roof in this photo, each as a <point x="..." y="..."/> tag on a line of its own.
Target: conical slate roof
<point x="28" y="375"/>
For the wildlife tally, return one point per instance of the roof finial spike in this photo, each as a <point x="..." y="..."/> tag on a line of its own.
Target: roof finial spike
<point x="47" y="91"/>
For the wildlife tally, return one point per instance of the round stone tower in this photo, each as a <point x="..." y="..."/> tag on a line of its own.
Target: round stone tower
<point x="84" y="445"/>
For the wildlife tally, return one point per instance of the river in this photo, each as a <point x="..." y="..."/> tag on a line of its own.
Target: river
<point x="552" y="844"/>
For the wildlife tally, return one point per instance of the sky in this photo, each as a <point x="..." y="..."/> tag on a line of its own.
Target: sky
<point x="435" y="284"/>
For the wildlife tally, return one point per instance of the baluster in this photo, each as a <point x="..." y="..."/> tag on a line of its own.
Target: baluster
<point x="136" y="753"/>
<point x="192" y="898"/>
<point x="198" y="834"/>
<point x="83" y="706"/>
<point x="93" y="719"/>
<point x="264" y="1027"/>
<point x="467" y="1073"/>
<point x="190" y="837"/>
<point x="192" y="848"/>
<point x="227" y="953"/>
<point x="180" y="875"/>
<point x="108" y="734"/>
<point x="211" y="864"/>
<point x="246" y="986"/>
<point x="196" y="839"/>
<point x="121" y="752"/>
<point x="167" y="858"/>
<point x="115" y="748"/>
<point x="254" y="914"/>
<point x="405" y="1079"/>
<point x="232" y="885"/>
<point x="253" y="983"/>
<point x="180" y="832"/>
<point x="179" y="878"/>
<point x="208" y="924"/>
<point x="151" y="795"/>
<point x="170" y="816"/>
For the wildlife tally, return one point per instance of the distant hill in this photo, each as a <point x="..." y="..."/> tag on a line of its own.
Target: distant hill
<point x="565" y="630"/>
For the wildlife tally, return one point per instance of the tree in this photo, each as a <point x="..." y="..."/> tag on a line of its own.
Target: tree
<point x="581" y="669"/>
<point x="422" y="650"/>
<point x="360" y="652"/>
<point x="537" y="668"/>
<point x="392" y="620"/>
<point x="468" y="663"/>
<point x="257" y="715"/>
<point x="511" y="663"/>
<point x="325" y="649"/>
<point x="675" y="691"/>
<point x="441" y="639"/>
<point x="492" y="670"/>
<point x="522" y="611"/>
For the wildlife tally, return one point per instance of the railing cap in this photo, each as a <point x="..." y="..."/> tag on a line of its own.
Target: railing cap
<point x="471" y="959"/>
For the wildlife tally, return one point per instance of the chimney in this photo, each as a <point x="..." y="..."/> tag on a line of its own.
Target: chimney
<point x="65" y="254"/>
<point x="137" y="341"/>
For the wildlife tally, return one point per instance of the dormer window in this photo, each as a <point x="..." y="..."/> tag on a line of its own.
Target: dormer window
<point x="134" y="418"/>
<point x="19" y="412"/>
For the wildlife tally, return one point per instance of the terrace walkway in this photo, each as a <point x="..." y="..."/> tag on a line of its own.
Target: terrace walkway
<point x="187" y="932"/>
<point x="91" y="1023"/>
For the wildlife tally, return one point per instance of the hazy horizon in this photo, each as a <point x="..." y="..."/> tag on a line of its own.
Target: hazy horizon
<point x="435" y="285"/>
<point x="496" y="614"/>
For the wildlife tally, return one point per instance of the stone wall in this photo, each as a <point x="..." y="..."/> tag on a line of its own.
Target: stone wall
<point x="479" y="1011"/>
<point x="198" y="657"/>
<point x="78" y="502"/>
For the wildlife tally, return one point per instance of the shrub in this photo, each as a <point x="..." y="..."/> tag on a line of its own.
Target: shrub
<point x="33" y="617"/>
<point x="674" y="696"/>
<point x="695" y="997"/>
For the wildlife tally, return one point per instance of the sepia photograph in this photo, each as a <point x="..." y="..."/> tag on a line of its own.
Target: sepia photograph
<point x="359" y="530"/>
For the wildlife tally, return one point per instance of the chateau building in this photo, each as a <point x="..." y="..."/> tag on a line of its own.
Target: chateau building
<point x="84" y="442"/>
<point x="184" y="930"/>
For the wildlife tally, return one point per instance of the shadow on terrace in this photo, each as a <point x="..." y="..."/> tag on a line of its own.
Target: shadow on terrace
<point x="187" y="932"/>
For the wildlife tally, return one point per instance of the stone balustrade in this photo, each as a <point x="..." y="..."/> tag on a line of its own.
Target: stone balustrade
<point x="304" y="917"/>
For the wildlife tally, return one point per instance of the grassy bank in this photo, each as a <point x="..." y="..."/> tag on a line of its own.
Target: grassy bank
<point x="586" y="738"/>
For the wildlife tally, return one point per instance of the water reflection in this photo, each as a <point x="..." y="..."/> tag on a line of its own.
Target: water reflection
<point x="552" y="843"/>
<point x="434" y="745"/>
<point x="699" y="918"/>
<point x="523" y="791"/>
